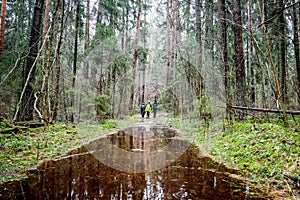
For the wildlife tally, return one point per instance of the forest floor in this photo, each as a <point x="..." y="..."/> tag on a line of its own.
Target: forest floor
<point x="267" y="152"/>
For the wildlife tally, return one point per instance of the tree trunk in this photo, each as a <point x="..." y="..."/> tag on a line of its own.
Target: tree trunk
<point x="225" y="67"/>
<point x="283" y="52"/>
<point x="188" y="13"/>
<point x="2" y="28"/>
<point x="144" y="83"/>
<point x="48" y="63"/>
<point x="87" y="41"/>
<point x="174" y="39"/>
<point x="239" y="55"/>
<point x="199" y="86"/>
<point x="58" y="67"/>
<point x="27" y="102"/>
<point x="296" y="48"/>
<point x="45" y="29"/>
<point x="135" y="58"/>
<point x="168" y="43"/>
<point x="279" y="99"/>
<point x="250" y="58"/>
<point x="75" y="58"/>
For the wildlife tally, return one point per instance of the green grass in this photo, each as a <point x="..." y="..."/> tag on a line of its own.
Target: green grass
<point x="24" y="150"/>
<point x="268" y="153"/>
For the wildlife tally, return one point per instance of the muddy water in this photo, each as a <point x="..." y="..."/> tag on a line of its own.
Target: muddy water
<point x="81" y="175"/>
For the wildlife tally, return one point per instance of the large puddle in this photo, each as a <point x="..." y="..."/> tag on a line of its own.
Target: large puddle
<point x="135" y="163"/>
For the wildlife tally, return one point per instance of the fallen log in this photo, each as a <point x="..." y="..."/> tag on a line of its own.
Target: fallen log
<point x="30" y="124"/>
<point x="292" y="112"/>
<point x="16" y="129"/>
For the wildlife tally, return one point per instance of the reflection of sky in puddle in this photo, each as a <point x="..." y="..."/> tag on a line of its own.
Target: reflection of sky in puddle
<point x="139" y="149"/>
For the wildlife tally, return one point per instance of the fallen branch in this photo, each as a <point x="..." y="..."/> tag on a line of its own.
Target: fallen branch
<point x="12" y="130"/>
<point x="30" y="124"/>
<point x="292" y="112"/>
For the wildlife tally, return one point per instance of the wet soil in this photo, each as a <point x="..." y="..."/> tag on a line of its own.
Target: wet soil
<point x="141" y="162"/>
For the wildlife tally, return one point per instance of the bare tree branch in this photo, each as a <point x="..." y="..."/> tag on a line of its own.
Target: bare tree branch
<point x="277" y="13"/>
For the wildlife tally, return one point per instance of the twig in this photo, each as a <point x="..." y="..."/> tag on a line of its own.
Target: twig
<point x="11" y="71"/>
<point x="290" y="188"/>
<point x="22" y="191"/>
<point x="278" y="12"/>
<point x="35" y="107"/>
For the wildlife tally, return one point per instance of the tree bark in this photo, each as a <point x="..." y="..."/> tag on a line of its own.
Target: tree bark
<point x="48" y="64"/>
<point x="45" y="61"/>
<point x="2" y="28"/>
<point x="58" y="67"/>
<point x="27" y="102"/>
<point x="239" y="55"/>
<point x="168" y="43"/>
<point x="135" y="57"/>
<point x="296" y="48"/>
<point x="283" y="52"/>
<point x="198" y="80"/>
<point x="225" y="64"/>
<point x="87" y="41"/>
<point x="75" y="58"/>
<point x="250" y="58"/>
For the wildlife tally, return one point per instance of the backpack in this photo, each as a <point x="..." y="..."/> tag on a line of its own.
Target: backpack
<point x="143" y="106"/>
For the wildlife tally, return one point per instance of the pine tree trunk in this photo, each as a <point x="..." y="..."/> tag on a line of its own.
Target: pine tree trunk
<point x="87" y="41"/>
<point x="48" y="63"/>
<point x="296" y="48"/>
<point x="225" y="67"/>
<point x="75" y="58"/>
<point x="143" y="82"/>
<point x="27" y="102"/>
<point x="250" y="59"/>
<point x="199" y="86"/>
<point x="168" y="43"/>
<point x="174" y="39"/>
<point x="283" y="52"/>
<point x="58" y="67"/>
<point x="2" y="27"/>
<point x="135" y="57"/>
<point x="239" y="55"/>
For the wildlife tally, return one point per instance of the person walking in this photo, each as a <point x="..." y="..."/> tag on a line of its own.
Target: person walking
<point x="154" y="107"/>
<point x="143" y="107"/>
<point x="148" y="109"/>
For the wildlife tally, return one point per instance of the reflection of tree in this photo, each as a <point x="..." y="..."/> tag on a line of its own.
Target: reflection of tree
<point x="82" y="176"/>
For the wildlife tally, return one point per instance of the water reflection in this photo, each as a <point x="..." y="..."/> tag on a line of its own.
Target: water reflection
<point x="82" y="176"/>
<point x="139" y="149"/>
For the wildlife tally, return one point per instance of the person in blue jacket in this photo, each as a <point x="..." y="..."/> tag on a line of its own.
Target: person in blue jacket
<point x="143" y="107"/>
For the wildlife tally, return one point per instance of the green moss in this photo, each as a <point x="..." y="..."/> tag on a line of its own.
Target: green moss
<point x="24" y="150"/>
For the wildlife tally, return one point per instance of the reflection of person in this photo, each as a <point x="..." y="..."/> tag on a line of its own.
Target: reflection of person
<point x="154" y="107"/>
<point x="148" y="109"/>
<point x="143" y="106"/>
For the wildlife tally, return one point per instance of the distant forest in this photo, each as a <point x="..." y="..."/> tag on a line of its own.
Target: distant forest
<point x="73" y="61"/>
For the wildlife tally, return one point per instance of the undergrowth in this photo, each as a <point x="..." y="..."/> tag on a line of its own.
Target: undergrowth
<point x="267" y="152"/>
<point x="26" y="148"/>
